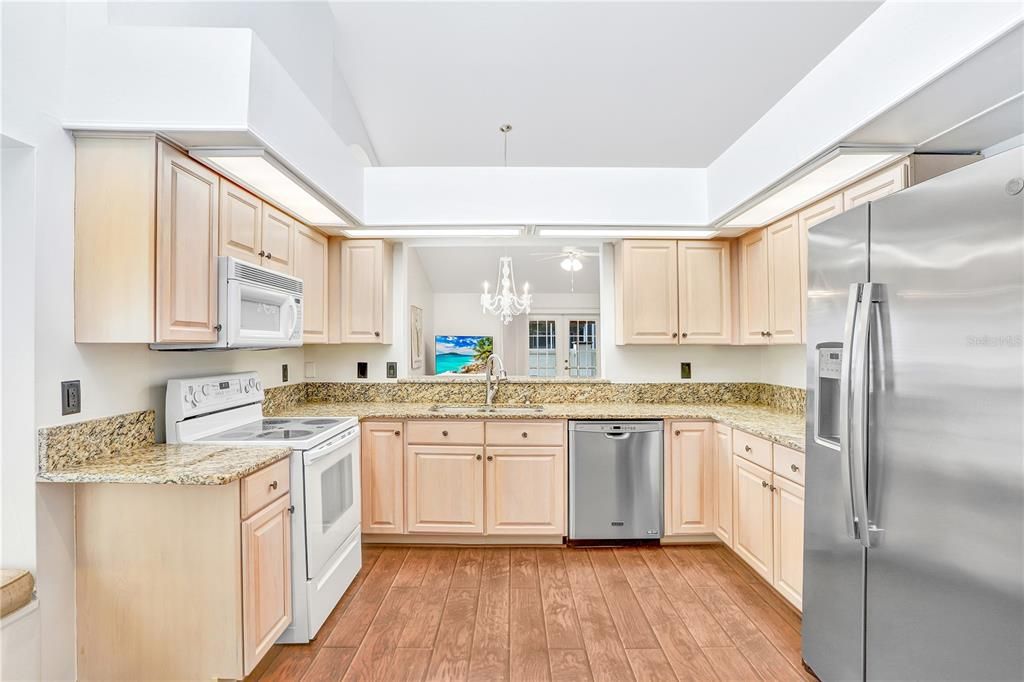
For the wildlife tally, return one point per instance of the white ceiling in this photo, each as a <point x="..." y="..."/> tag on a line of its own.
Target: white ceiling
<point x="464" y="269"/>
<point x="582" y="83"/>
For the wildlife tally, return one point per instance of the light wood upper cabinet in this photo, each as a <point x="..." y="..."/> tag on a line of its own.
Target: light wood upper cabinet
<point x="788" y="540"/>
<point x="310" y="265"/>
<point x="525" y="490"/>
<point x="278" y="242"/>
<point x="784" y="277"/>
<point x="705" y="292"/>
<point x="752" y="516"/>
<point x="188" y="201"/>
<point x="722" y="483"/>
<point x="444" y="487"/>
<point x="646" y="292"/>
<point x="360" y="291"/>
<point x="688" y="478"/>
<point x="241" y="223"/>
<point x="383" y="480"/>
<point x="876" y="186"/>
<point x="266" y="579"/>
<point x="806" y="219"/>
<point x="754" y="314"/>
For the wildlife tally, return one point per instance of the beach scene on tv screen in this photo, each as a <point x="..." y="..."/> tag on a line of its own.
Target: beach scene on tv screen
<point x="462" y="354"/>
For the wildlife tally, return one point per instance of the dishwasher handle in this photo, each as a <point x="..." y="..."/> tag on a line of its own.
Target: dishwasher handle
<point x="617" y="436"/>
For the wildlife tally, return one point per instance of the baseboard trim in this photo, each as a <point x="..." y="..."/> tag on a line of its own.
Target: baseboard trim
<point x="702" y="539"/>
<point x="462" y="540"/>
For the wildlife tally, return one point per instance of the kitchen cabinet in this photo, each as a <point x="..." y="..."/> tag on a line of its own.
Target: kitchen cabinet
<point x="753" y="313"/>
<point x="241" y="223"/>
<point x="808" y="218"/>
<point x="193" y="581"/>
<point x="646" y="292"/>
<point x="876" y="186"/>
<point x="784" y="276"/>
<point x="187" y="203"/>
<point x="525" y="490"/>
<point x="722" y="484"/>
<point x="444" y="486"/>
<point x="688" y="478"/>
<point x="310" y="265"/>
<point x="752" y="516"/>
<point x="383" y="479"/>
<point x="788" y="539"/>
<point x="705" y="292"/>
<point x="360" y="291"/>
<point x="278" y="240"/>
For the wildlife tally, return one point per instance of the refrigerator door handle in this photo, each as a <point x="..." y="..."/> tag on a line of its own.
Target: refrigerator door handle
<point x="845" y="404"/>
<point x="871" y="295"/>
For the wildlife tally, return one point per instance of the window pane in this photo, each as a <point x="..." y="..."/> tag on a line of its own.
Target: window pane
<point x="583" y="348"/>
<point x="543" y="349"/>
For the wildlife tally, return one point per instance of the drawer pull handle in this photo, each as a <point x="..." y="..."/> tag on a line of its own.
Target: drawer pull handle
<point x="524" y="434"/>
<point x="794" y="468"/>
<point x="273" y="485"/>
<point x="444" y="433"/>
<point x="747" y="448"/>
<point x="479" y="457"/>
<point x="490" y="458"/>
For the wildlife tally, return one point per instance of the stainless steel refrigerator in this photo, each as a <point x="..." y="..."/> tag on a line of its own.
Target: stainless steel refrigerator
<point x="914" y="518"/>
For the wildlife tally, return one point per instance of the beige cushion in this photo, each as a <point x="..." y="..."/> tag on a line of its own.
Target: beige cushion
<point x="16" y="590"/>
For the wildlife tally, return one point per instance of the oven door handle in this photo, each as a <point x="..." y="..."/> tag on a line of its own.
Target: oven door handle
<point x="321" y="451"/>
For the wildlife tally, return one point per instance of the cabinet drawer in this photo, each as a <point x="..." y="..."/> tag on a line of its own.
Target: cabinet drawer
<point x="525" y="433"/>
<point x="788" y="463"/>
<point x="264" y="486"/>
<point x="752" y="448"/>
<point x="439" y="432"/>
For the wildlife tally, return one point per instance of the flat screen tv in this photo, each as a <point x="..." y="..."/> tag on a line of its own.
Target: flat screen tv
<point x="461" y="354"/>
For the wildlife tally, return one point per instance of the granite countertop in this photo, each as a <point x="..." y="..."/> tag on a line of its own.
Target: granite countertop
<point x="163" y="463"/>
<point x="785" y="428"/>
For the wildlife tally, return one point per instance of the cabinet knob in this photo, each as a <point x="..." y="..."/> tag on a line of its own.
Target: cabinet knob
<point x="674" y="335"/>
<point x="479" y="457"/>
<point x="398" y="433"/>
<point x="767" y="333"/>
<point x="218" y="327"/>
<point x="772" y="488"/>
<point x="685" y="334"/>
<point x="794" y="468"/>
<point x="747" y="448"/>
<point x="678" y="432"/>
<point x="376" y="334"/>
<point x="444" y="433"/>
<point x="524" y="434"/>
<point x="490" y="458"/>
<point x="269" y="256"/>
<point x="273" y="485"/>
<point x="764" y="484"/>
<point x="262" y="253"/>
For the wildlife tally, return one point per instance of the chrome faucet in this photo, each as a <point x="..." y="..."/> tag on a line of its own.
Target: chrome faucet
<point x="495" y="369"/>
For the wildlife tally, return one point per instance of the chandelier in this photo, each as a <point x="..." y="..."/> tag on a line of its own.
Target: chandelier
<point x="508" y="302"/>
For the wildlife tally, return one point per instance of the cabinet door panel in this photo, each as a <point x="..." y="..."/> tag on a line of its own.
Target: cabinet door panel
<point x="444" y="488"/>
<point x="311" y="266"/>
<point x="266" y="580"/>
<point x="784" y="289"/>
<point x="647" y="292"/>
<point x="241" y="223"/>
<point x="382" y="477"/>
<point x="525" y="491"/>
<point x="363" y="291"/>
<point x="688" y="492"/>
<point x="876" y="186"/>
<point x="752" y="515"/>
<point x="723" y="484"/>
<point x="278" y="241"/>
<point x="789" y="540"/>
<point x="187" y="242"/>
<point x="808" y="218"/>
<point x="705" y="296"/>
<point x="753" y="294"/>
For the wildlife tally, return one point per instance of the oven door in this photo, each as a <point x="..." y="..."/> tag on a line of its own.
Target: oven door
<point x="261" y="317"/>
<point x="331" y="483"/>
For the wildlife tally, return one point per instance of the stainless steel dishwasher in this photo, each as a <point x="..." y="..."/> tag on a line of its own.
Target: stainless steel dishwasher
<point x="615" y="480"/>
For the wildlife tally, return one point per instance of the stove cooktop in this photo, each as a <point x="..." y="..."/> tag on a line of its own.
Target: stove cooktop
<point x="280" y="430"/>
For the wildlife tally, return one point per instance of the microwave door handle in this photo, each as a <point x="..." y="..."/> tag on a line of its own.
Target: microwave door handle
<point x="295" y="316"/>
<point x="845" y="423"/>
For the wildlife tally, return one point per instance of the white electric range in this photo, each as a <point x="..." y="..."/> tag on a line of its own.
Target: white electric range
<point x="326" y="547"/>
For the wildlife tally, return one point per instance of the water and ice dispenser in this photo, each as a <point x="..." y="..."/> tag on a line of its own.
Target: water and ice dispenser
<point x="826" y="421"/>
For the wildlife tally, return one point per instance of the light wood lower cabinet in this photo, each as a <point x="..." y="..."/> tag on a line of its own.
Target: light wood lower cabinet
<point x="525" y="490"/>
<point x="788" y="539"/>
<point x="688" y="479"/>
<point x="444" y="488"/>
<point x="752" y="516"/>
<point x="722" y="484"/>
<point x="178" y="580"/>
<point x="383" y="477"/>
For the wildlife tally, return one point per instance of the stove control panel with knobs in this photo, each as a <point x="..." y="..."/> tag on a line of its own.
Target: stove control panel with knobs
<point x="202" y="395"/>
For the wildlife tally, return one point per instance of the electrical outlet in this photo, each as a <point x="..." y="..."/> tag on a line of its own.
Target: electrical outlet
<point x="392" y="370"/>
<point x="311" y="370"/>
<point x="361" y="370"/>
<point x="284" y="372"/>
<point x="684" y="370"/>
<point x="70" y="397"/>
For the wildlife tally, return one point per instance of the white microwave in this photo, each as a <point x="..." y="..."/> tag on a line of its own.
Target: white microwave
<point x="256" y="308"/>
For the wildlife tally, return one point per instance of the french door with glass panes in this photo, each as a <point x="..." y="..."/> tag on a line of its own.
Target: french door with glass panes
<point x="562" y="346"/>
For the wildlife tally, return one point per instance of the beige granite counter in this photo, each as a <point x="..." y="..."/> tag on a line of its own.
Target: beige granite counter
<point x="161" y="463"/>
<point x="785" y="428"/>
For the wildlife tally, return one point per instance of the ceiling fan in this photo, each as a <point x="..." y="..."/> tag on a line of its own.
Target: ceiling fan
<point x="570" y="259"/>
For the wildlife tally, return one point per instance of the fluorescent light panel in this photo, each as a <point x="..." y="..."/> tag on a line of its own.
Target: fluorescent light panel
<point x="625" y="232"/>
<point x="844" y="167"/>
<point x="412" y="232"/>
<point x="258" y="173"/>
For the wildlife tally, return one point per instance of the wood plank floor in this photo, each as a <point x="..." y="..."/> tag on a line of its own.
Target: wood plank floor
<point x="523" y="613"/>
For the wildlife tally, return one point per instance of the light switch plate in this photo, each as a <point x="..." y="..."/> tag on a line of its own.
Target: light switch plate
<point x="361" y="371"/>
<point x="284" y="372"/>
<point x="310" y="370"/>
<point x="684" y="371"/>
<point x="392" y="370"/>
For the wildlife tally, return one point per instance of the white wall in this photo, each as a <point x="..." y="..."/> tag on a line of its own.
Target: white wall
<point x="420" y="294"/>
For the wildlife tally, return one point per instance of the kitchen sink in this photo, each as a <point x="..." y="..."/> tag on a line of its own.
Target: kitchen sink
<point x="483" y="409"/>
